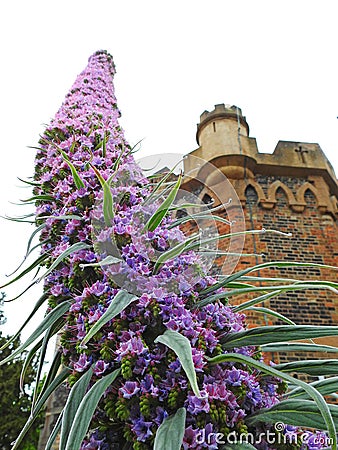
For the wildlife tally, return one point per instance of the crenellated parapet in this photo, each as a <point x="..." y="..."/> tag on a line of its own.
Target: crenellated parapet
<point x="223" y="136"/>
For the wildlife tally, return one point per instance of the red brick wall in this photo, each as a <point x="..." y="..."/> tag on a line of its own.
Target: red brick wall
<point x="314" y="239"/>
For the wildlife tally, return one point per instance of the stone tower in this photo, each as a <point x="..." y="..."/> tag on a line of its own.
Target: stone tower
<point x="294" y="189"/>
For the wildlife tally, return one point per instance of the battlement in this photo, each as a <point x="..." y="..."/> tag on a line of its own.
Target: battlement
<point x="224" y="141"/>
<point x="221" y="112"/>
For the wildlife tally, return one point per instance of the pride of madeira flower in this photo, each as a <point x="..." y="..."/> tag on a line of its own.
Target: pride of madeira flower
<point x="131" y="321"/>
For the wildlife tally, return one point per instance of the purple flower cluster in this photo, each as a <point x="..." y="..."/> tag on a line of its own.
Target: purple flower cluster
<point x="84" y="139"/>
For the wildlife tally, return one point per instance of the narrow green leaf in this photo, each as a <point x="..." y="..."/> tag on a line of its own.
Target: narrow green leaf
<point x="15" y="219"/>
<point x="302" y="413"/>
<point x="282" y="288"/>
<point x="275" y="264"/>
<point x="75" y="397"/>
<point x="40" y="302"/>
<point x="298" y="347"/>
<point x="313" y="393"/>
<point x="76" y="177"/>
<point x="197" y="217"/>
<point x="267" y="280"/>
<point x="30" y="183"/>
<point x="86" y="410"/>
<point x="27" y="362"/>
<point x="276" y="333"/>
<point x="48" y="321"/>
<point x="181" y="346"/>
<point x="72" y="249"/>
<point x="325" y="387"/>
<point x="270" y="312"/>
<point x="53" y="435"/>
<point x="119" y="158"/>
<point x="25" y="216"/>
<point x="162" y="211"/>
<point x="242" y="306"/>
<point x="104" y="145"/>
<point x="62" y="217"/>
<point x="254" y="301"/>
<point x="51" y="375"/>
<point x="42" y="197"/>
<point x="170" y="433"/>
<point x="29" y="250"/>
<point x="121" y="300"/>
<point x="108" y="210"/>
<point x="53" y="329"/>
<point x="36" y="263"/>
<point x="150" y="198"/>
<point x="315" y="367"/>
<point x="105" y="262"/>
<point x="172" y="253"/>
<point x="232" y="235"/>
<point x="21" y="293"/>
<point x="34" y="414"/>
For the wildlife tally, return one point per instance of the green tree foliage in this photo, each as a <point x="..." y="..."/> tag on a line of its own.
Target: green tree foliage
<point x="2" y="316"/>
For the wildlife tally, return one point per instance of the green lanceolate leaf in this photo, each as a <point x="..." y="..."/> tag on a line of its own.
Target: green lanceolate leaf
<point x="275" y="333"/>
<point x="75" y="397"/>
<point x="36" y="263"/>
<point x="39" y="405"/>
<point x="86" y="410"/>
<point x="302" y="413"/>
<point x="72" y="249"/>
<point x="53" y="435"/>
<point x="162" y="211"/>
<point x="315" y="367"/>
<point x="197" y="217"/>
<point x="325" y="387"/>
<point x="270" y="312"/>
<point x="298" y="347"/>
<point x="328" y="421"/>
<point x="51" y="375"/>
<point x="76" y="177"/>
<point x="42" y="197"/>
<point x="121" y="300"/>
<point x="281" y="288"/>
<point x="152" y="195"/>
<point x="47" y="322"/>
<point x="40" y="302"/>
<point x="62" y="217"/>
<point x="170" y="433"/>
<point x="30" y="183"/>
<point x="254" y="301"/>
<point x="181" y="346"/>
<point x="108" y="210"/>
<point x="276" y="264"/>
<point x="53" y="329"/>
<point x="28" y="251"/>
<point x="27" y="362"/>
<point x="104" y="145"/>
<point x="172" y="253"/>
<point x="105" y="262"/>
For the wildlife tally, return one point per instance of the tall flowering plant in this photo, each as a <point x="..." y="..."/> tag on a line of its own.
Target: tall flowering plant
<point x="151" y="351"/>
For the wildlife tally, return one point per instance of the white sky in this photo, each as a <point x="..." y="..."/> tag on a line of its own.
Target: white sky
<point x="277" y="60"/>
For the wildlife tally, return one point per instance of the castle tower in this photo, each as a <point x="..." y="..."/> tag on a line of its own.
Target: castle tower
<point x="294" y="189"/>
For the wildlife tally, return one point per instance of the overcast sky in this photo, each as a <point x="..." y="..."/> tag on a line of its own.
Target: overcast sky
<point x="277" y="60"/>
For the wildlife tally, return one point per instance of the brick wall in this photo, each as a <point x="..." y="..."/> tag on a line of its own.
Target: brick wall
<point x="314" y="239"/>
